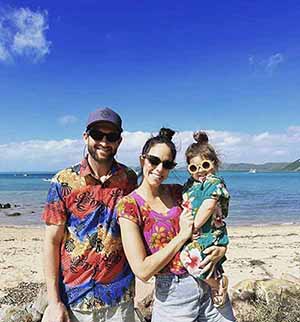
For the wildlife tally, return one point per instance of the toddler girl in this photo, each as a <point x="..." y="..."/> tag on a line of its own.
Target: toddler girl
<point x="205" y="194"/>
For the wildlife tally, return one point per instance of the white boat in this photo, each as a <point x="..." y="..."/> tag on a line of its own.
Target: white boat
<point x="252" y="171"/>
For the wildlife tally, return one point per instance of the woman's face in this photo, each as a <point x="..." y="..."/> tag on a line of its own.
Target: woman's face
<point x="201" y="173"/>
<point x="156" y="174"/>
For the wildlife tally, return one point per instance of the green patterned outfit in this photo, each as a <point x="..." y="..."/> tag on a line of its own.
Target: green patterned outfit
<point x="214" y="231"/>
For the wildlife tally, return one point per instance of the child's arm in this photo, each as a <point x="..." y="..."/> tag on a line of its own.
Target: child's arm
<point x="204" y="212"/>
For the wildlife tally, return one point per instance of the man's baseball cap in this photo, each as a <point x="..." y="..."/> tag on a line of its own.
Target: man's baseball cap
<point x="104" y="115"/>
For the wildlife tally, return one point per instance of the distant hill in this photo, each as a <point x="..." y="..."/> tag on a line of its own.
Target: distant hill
<point x="269" y="166"/>
<point x="294" y="166"/>
<point x="245" y="167"/>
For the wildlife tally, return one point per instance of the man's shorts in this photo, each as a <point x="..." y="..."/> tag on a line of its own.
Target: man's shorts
<point x="124" y="312"/>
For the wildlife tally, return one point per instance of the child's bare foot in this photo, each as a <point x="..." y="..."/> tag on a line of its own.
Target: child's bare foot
<point x="218" y="290"/>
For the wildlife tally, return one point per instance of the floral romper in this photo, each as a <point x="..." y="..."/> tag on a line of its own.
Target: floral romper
<point x="214" y="231"/>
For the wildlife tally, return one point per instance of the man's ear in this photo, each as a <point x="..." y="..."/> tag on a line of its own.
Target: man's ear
<point x="120" y="140"/>
<point x="85" y="137"/>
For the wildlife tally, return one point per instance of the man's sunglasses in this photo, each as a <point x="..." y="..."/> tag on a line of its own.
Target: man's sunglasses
<point x="98" y="135"/>
<point x="205" y="165"/>
<point x="155" y="161"/>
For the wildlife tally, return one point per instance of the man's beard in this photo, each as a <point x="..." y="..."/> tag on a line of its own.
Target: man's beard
<point x="93" y="153"/>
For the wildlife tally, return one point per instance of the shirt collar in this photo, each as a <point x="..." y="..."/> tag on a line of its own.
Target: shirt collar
<point x="86" y="170"/>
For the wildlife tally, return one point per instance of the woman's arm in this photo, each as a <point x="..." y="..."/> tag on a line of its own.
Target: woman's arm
<point x="143" y="266"/>
<point x="206" y="209"/>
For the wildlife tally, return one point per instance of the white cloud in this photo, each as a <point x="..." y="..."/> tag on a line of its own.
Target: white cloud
<point x="231" y="146"/>
<point x="266" y="65"/>
<point x="22" y="34"/>
<point x="273" y="62"/>
<point x="67" y="119"/>
<point x="294" y="129"/>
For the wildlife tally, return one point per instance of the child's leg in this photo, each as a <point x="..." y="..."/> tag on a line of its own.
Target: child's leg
<point x="218" y="288"/>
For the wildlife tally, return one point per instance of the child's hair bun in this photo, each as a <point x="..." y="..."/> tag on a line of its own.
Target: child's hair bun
<point x="166" y="133"/>
<point x="200" y="137"/>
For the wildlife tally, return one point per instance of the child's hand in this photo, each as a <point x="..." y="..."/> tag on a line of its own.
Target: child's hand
<point x="196" y="233"/>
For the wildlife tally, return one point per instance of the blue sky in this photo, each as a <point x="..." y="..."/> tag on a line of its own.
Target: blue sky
<point x="231" y="68"/>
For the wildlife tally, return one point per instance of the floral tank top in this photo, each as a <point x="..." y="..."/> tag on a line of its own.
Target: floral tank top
<point x="158" y="229"/>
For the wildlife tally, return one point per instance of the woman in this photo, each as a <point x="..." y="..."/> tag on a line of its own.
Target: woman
<point x="154" y="228"/>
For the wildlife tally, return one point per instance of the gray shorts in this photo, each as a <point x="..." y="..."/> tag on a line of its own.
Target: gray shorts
<point x="123" y="312"/>
<point x="184" y="299"/>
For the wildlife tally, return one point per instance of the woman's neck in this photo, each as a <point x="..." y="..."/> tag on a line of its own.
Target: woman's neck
<point x="149" y="192"/>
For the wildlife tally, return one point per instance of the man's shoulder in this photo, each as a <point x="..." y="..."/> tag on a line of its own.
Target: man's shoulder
<point x="129" y="172"/>
<point x="68" y="174"/>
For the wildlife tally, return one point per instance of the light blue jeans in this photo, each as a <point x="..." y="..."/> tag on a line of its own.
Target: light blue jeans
<point x="184" y="299"/>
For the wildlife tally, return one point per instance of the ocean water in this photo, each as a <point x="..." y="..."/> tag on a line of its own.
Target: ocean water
<point x="256" y="198"/>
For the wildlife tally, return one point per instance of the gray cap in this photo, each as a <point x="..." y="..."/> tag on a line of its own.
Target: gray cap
<point x="104" y="115"/>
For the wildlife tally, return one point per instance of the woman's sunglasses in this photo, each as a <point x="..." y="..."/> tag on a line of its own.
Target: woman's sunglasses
<point x="155" y="161"/>
<point x="205" y="165"/>
<point x="98" y="135"/>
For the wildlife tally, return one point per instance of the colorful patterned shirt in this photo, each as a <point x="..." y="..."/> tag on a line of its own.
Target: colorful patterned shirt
<point x="94" y="272"/>
<point x="158" y="229"/>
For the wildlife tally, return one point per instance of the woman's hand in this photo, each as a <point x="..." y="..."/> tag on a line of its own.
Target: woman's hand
<point x="213" y="255"/>
<point x="186" y="222"/>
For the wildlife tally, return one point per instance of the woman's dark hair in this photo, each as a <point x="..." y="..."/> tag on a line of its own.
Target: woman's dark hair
<point x="164" y="136"/>
<point x="203" y="148"/>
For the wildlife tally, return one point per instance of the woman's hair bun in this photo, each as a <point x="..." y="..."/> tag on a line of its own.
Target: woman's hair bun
<point x="200" y="137"/>
<point x="166" y="133"/>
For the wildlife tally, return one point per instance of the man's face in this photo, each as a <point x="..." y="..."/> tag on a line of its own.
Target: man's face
<point x="99" y="146"/>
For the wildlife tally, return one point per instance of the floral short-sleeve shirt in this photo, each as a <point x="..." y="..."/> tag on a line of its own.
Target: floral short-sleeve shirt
<point x="158" y="229"/>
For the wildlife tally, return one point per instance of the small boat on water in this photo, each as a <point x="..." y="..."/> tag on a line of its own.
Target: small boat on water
<point x="252" y="171"/>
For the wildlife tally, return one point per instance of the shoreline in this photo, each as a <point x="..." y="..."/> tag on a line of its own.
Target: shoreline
<point x="254" y="252"/>
<point x="230" y="225"/>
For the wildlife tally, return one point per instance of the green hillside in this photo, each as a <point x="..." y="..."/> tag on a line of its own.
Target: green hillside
<point x="294" y="166"/>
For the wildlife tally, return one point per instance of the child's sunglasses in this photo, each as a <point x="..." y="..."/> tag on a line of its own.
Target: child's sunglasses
<point x="205" y="165"/>
<point x="155" y="161"/>
<point x="98" y="135"/>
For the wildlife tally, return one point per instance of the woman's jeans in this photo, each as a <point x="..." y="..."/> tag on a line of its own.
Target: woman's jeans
<point x="184" y="299"/>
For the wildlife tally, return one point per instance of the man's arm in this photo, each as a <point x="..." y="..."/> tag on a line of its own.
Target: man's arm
<point x="56" y="310"/>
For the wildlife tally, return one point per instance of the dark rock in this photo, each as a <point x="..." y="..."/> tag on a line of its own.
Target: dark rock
<point x="14" y="214"/>
<point x="6" y="206"/>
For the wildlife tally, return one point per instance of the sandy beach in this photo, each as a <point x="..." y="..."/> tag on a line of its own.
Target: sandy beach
<point x="254" y="252"/>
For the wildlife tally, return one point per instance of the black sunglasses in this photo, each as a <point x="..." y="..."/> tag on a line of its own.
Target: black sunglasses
<point x="155" y="161"/>
<point x="98" y="135"/>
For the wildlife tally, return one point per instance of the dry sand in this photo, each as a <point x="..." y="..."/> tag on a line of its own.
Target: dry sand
<point x="254" y="252"/>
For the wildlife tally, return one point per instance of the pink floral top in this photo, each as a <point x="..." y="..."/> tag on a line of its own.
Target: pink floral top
<point x="158" y="229"/>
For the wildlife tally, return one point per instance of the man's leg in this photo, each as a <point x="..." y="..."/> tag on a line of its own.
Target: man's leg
<point x="123" y="312"/>
<point x="78" y="316"/>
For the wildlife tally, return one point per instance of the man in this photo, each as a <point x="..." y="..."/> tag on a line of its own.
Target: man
<point x="87" y="275"/>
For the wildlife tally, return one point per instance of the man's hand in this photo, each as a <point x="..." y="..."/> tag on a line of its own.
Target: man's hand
<point x="56" y="312"/>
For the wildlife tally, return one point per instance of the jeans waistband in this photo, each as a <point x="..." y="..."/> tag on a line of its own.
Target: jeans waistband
<point x="172" y="276"/>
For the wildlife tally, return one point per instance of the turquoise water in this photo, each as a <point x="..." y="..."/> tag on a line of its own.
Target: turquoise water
<point x="256" y="199"/>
